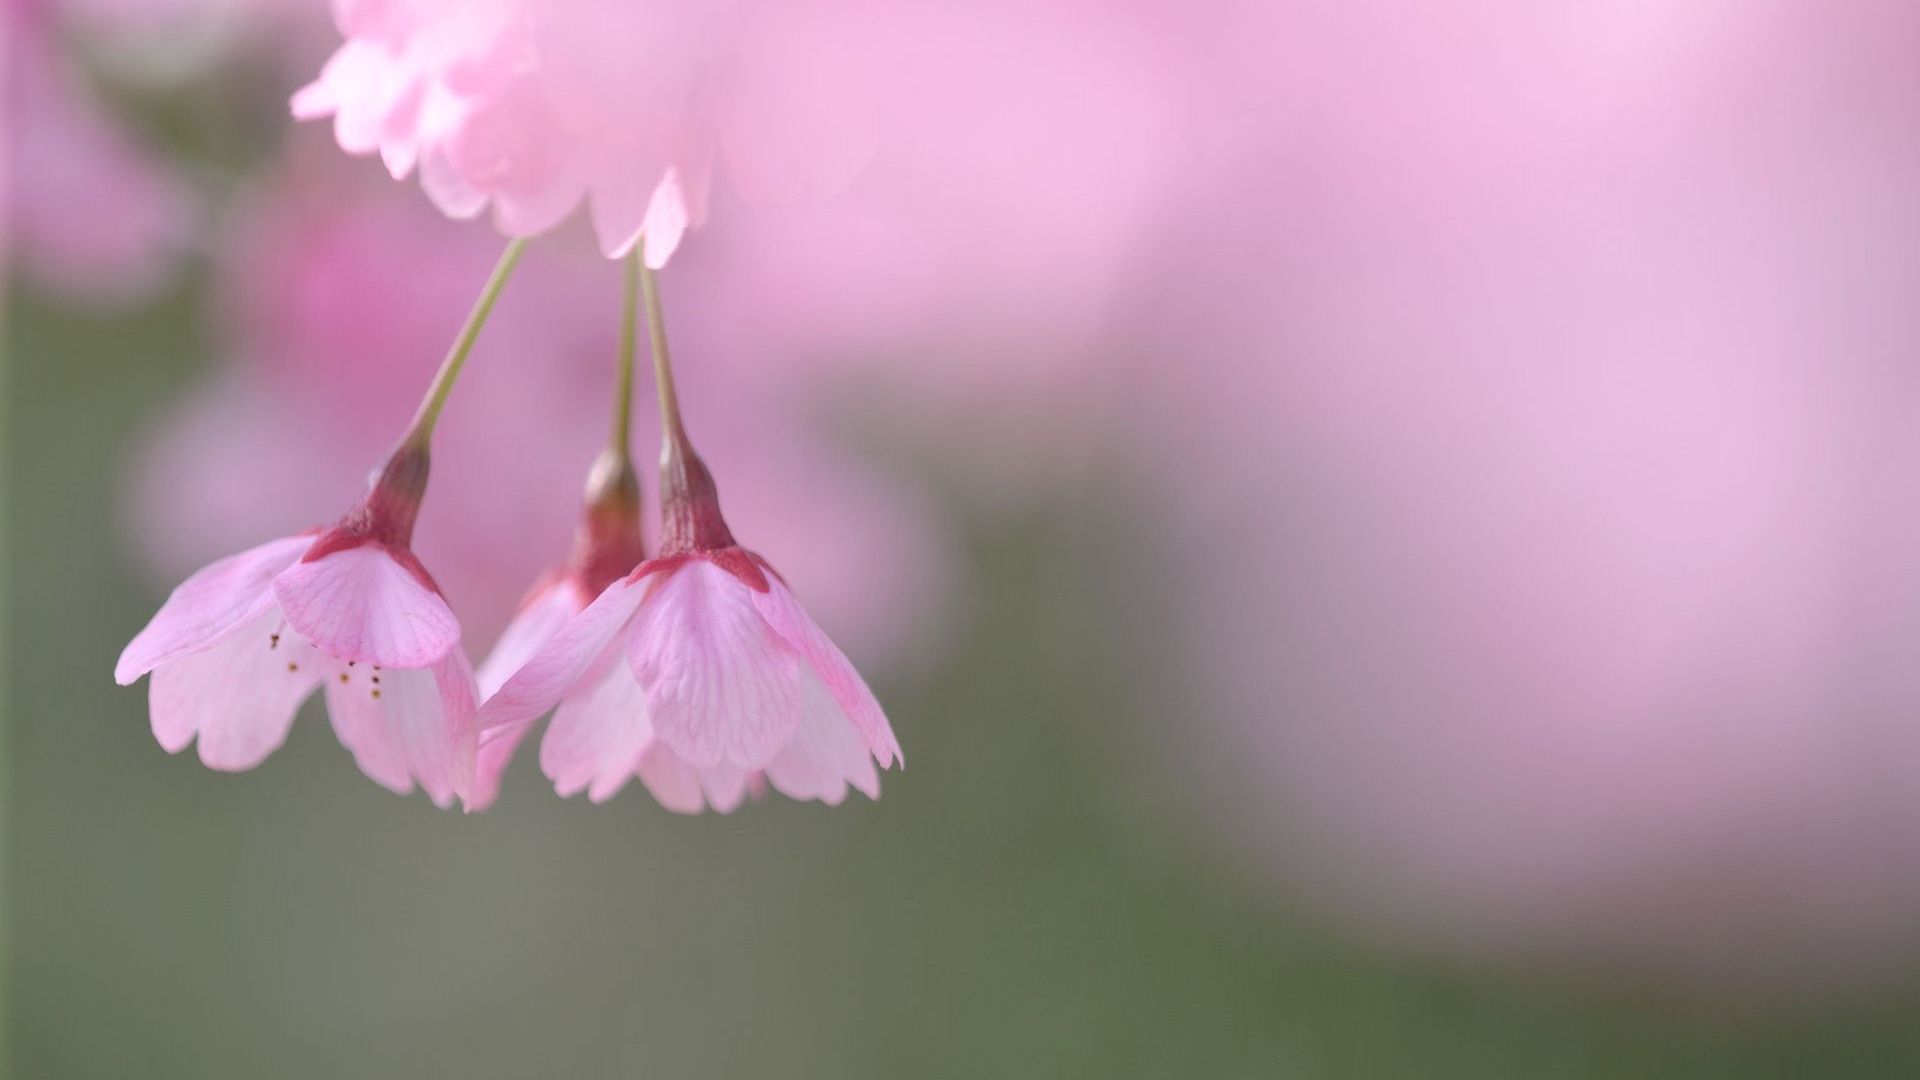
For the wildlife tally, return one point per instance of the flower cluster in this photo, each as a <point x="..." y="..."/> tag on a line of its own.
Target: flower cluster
<point x="696" y="670"/>
<point x="533" y="108"/>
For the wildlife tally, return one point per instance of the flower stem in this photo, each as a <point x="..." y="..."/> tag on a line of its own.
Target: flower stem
<point x="690" y="518"/>
<point x="623" y="389"/>
<point x="421" y="430"/>
<point x="671" y="430"/>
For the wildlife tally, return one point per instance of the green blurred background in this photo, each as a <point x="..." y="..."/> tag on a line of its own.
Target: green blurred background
<point x="1026" y="900"/>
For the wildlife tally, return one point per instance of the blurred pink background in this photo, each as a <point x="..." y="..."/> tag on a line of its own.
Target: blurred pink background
<point x="1510" y="409"/>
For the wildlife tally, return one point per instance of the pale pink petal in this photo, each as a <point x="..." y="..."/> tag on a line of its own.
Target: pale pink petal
<point x="316" y="99"/>
<point x="490" y="764"/>
<point x="460" y="702"/>
<point x="725" y="787"/>
<point x="446" y="189"/>
<point x="352" y="66"/>
<point x="239" y="697"/>
<point x="364" y="87"/>
<point x="783" y="612"/>
<point x="399" y="158"/>
<point x="208" y="605"/>
<point x="722" y="687"/>
<point x="361" y="604"/>
<point x="825" y="755"/>
<point x="684" y="789"/>
<point x="512" y="146"/>
<point x="619" y="211"/>
<point x="668" y="216"/>
<point x="673" y="783"/>
<point x="597" y="735"/>
<point x="542" y="617"/>
<point x="544" y="613"/>
<point x="564" y="660"/>
<point x="537" y="211"/>
<point x="408" y="724"/>
<point x="361" y="726"/>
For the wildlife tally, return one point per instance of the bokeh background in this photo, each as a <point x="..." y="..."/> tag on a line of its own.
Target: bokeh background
<point x="1388" y="533"/>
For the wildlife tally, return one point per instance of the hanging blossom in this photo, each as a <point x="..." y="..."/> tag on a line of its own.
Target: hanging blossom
<point x="239" y="645"/>
<point x="532" y="106"/>
<point x="606" y="547"/>
<point x="698" y="671"/>
<point x="336" y="290"/>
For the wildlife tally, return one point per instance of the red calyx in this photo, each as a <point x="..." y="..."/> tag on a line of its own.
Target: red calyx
<point x="690" y="518"/>
<point x="691" y="525"/>
<point x="386" y="514"/>
<point x="748" y="566"/>
<point x="607" y="544"/>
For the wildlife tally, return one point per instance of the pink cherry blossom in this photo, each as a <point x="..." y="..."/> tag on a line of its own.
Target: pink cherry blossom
<point x="607" y="547"/>
<point x="554" y="601"/>
<point x="338" y="295"/>
<point x="238" y="646"/>
<point x="696" y="675"/>
<point x="533" y="107"/>
<point x="700" y="673"/>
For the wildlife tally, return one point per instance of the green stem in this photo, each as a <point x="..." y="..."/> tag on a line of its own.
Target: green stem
<point x="421" y="430"/>
<point x="623" y="388"/>
<point x="671" y="430"/>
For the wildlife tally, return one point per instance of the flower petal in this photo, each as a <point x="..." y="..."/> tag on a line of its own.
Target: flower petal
<point x="360" y="604"/>
<point x="446" y="188"/>
<point x="544" y="614"/>
<point x="490" y="764"/>
<point x="210" y="604"/>
<point x="669" y="214"/>
<point x="541" y="617"/>
<point x="239" y="696"/>
<point x="722" y="687"/>
<point x="825" y="754"/>
<point x="726" y="787"/>
<point x="563" y="660"/>
<point x="597" y="736"/>
<point x="784" y="613"/>
<point x="407" y="724"/>
<point x="684" y="789"/>
<point x="673" y="783"/>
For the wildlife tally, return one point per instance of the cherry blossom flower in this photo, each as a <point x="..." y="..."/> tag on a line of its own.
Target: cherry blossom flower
<point x="695" y="672"/>
<point x="533" y="107"/>
<point x="336" y="290"/>
<point x="349" y="609"/>
<point x="698" y="671"/>
<point x="606" y="547"/>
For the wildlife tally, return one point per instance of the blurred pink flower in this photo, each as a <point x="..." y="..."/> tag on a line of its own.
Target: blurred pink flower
<point x="1558" y="366"/>
<point x="534" y="107"/>
<point x="987" y="164"/>
<point x="697" y="672"/>
<point x="1014" y="152"/>
<point x="92" y="214"/>
<point x="341" y="300"/>
<point x="239" y="645"/>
